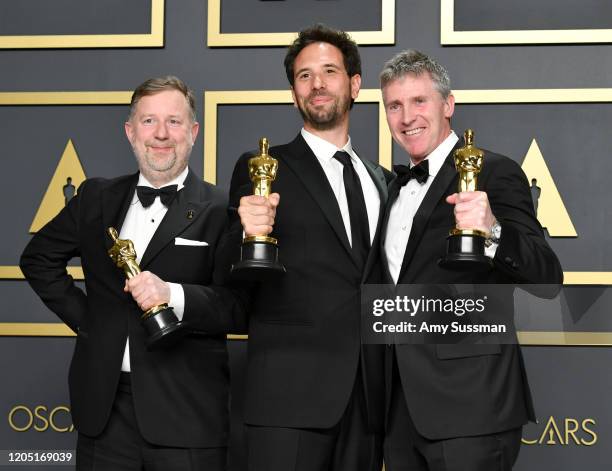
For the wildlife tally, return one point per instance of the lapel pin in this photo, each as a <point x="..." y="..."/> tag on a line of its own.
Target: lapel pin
<point x="190" y="214"/>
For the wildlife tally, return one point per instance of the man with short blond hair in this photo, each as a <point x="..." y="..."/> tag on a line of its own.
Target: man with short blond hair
<point x="137" y="409"/>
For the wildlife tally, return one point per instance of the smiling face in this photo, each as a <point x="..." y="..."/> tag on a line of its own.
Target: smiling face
<point x="162" y="132"/>
<point x="417" y="114"/>
<point x="322" y="89"/>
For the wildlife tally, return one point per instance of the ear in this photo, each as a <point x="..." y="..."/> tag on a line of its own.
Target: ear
<point x="293" y="97"/>
<point x="449" y="106"/>
<point x="195" y="127"/>
<point x="129" y="130"/>
<point x="355" y="86"/>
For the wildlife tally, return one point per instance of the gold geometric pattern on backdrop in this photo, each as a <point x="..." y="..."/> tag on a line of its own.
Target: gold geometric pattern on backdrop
<point x="69" y="167"/>
<point x="552" y="213"/>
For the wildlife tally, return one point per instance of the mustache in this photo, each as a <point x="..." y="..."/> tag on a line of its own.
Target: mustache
<point x="317" y="94"/>
<point x="160" y="144"/>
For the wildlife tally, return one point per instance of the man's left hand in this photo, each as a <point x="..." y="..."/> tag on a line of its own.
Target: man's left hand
<point x="148" y="290"/>
<point x="472" y="210"/>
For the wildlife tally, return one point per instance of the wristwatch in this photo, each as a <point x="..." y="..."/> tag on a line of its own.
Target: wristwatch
<point x="494" y="234"/>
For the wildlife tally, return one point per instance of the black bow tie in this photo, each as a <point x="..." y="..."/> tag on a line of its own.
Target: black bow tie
<point x="147" y="195"/>
<point x="419" y="172"/>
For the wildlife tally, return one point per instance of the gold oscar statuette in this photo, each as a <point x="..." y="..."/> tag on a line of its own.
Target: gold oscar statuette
<point x="466" y="247"/>
<point x="259" y="253"/>
<point x="160" y="322"/>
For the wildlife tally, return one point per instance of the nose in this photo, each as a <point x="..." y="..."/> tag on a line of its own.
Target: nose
<point x="161" y="131"/>
<point x="408" y="114"/>
<point x="318" y="82"/>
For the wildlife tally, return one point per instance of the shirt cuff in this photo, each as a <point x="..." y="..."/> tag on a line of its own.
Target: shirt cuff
<point x="177" y="299"/>
<point x="491" y="249"/>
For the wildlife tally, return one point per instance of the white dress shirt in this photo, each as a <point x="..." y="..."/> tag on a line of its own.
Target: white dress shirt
<point x="324" y="151"/>
<point x="407" y="204"/>
<point x="139" y="226"/>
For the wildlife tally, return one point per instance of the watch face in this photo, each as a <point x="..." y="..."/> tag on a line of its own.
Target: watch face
<point x="496" y="231"/>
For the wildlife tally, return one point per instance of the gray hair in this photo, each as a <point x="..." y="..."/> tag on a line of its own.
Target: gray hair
<point x="411" y="62"/>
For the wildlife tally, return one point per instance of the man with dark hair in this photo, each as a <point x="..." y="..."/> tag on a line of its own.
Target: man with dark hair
<point x="136" y="409"/>
<point x="314" y="396"/>
<point x="453" y="406"/>
<point x="320" y="33"/>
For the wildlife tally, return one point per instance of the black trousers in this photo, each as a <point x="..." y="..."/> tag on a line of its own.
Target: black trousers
<point x="121" y="447"/>
<point x="407" y="450"/>
<point x="348" y="446"/>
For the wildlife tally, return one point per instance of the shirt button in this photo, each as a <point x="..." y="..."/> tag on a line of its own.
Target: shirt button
<point x="412" y="192"/>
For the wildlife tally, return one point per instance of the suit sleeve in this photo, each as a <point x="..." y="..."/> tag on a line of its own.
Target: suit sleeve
<point x="44" y="262"/>
<point x="215" y="309"/>
<point x="219" y="308"/>
<point x="523" y="253"/>
<point x="232" y="238"/>
<point x="227" y="298"/>
<point x="223" y="306"/>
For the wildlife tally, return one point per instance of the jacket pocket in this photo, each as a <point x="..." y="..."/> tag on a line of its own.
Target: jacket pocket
<point x="451" y="351"/>
<point x="279" y="321"/>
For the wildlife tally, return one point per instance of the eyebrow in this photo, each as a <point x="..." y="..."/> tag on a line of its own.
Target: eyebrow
<point x="392" y="102"/>
<point x="152" y="113"/>
<point x="304" y="69"/>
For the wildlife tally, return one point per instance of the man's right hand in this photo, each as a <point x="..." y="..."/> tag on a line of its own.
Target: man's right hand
<point x="257" y="214"/>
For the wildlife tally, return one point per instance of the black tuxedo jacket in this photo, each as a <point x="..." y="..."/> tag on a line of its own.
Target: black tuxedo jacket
<point x="465" y="390"/>
<point x="181" y="393"/>
<point x="304" y="329"/>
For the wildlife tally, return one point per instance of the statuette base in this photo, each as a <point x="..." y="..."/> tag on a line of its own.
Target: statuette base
<point x="163" y="329"/>
<point x="258" y="261"/>
<point x="465" y="252"/>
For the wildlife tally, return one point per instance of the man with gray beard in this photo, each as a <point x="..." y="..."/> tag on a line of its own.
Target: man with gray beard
<point x="134" y="408"/>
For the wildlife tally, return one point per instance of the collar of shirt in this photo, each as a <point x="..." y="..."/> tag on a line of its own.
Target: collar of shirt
<point x="333" y="170"/>
<point x="324" y="150"/>
<point x="438" y="156"/>
<point x="179" y="181"/>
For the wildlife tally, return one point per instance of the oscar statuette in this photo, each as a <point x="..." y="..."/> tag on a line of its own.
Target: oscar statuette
<point x="465" y="248"/>
<point x="259" y="253"/>
<point x="160" y="322"/>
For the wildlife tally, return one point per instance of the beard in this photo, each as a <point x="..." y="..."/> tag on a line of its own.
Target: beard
<point x="327" y="116"/>
<point x="161" y="167"/>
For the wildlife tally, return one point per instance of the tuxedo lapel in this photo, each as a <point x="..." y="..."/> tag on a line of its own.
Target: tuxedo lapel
<point x="183" y="211"/>
<point x="379" y="179"/>
<point x="443" y="179"/>
<point x="394" y="190"/>
<point x="305" y="165"/>
<point x="115" y="200"/>
<point x="381" y="184"/>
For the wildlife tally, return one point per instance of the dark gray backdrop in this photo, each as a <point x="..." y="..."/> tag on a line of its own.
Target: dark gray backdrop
<point x="569" y="383"/>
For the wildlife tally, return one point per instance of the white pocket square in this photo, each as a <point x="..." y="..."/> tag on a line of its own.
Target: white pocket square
<point x="195" y="243"/>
